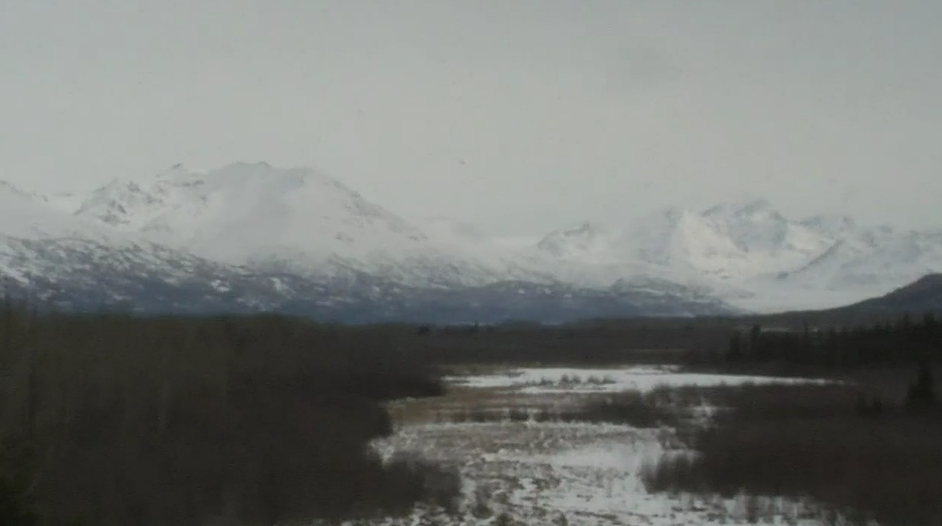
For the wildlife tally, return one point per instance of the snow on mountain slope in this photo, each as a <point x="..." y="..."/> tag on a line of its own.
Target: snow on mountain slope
<point x="588" y="254"/>
<point x="679" y="240"/>
<point x="588" y="241"/>
<point x="78" y="263"/>
<point x="866" y="263"/>
<point x="27" y="215"/>
<point x="765" y="241"/>
<point x="830" y="226"/>
<point x="825" y="260"/>
<point x="226" y="213"/>
<point x="727" y="243"/>
<point x="756" y="227"/>
<point x="39" y="241"/>
<point x="875" y="259"/>
<point x="750" y="254"/>
<point x="295" y="219"/>
<point x="74" y="262"/>
<point x="659" y="241"/>
<point x="752" y="225"/>
<point x="650" y="255"/>
<point x="249" y="222"/>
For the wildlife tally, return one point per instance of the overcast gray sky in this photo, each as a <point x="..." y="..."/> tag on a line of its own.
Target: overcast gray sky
<point x="520" y="116"/>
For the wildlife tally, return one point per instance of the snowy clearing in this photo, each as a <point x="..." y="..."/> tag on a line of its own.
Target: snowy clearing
<point x="565" y="473"/>
<point x="539" y="380"/>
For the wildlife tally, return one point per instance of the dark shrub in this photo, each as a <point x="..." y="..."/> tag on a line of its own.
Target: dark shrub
<point x="183" y="421"/>
<point x="798" y="441"/>
<point x="921" y="394"/>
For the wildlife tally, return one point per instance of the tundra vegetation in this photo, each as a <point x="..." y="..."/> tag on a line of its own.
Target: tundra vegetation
<point x="109" y="419"/>
<point x="116" y="420"/>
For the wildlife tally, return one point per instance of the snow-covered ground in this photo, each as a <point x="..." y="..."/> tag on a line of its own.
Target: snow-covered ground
<point x="566" y="473"/>
<point x="545" y="380"/>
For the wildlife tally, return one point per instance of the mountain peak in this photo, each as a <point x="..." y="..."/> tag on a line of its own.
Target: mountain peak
<point x="748" y="207"/>
<point x="830" y="225"/>
<point x="676" y="214"/>
<point x="756" y="205"/>
<point x="268" y="177"/>
<point x="255" y="213"/>
<point x="260" y="219"/>
<point x="586" y="227"/>
<point x="245" y="165"/>
<point x="175" y="170"/>
<point x="585" y="238"/>
<point x="15" y="192"/>
<point x="7" y="186"/>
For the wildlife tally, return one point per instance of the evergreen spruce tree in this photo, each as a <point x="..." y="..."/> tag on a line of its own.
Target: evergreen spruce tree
<point x="921" y="394"/>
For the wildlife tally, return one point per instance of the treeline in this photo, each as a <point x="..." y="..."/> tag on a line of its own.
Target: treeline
<point x="630" y="341"/>
<point x="114" y="420"/>
<point x="903" y="341"/>
<point x="864" y="450"/>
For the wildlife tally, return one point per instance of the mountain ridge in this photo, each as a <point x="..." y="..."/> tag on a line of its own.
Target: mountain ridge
<point x="254" y="219"/>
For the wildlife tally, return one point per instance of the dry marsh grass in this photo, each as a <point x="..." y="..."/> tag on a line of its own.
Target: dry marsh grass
<point x="808" y="441"/>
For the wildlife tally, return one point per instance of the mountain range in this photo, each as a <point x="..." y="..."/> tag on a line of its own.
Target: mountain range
<point x="251" y="237"/>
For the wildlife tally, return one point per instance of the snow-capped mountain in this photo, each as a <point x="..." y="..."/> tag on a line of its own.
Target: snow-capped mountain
<point x="296" y="220"/>
<point x="830" y="226"/>
<point x="251" y="236"/>
<point x="679" y="241"/>
<point x="729" y="242"/>
<point x="870" y="258"/>
<point x="587" y="241"/>
<point x="756" y="227"/>
<point x="752" y="255"/>
<point x="28" y="215"/>
<point x="69" y="261"/>
<point x="245" y="211"/>
<point x="653" y="250"/>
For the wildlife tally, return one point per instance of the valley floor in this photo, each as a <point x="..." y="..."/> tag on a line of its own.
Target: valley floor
<point x="522" y="471"/>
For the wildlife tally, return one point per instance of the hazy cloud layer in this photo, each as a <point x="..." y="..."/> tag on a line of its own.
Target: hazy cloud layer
<point x="518" y="116"/>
